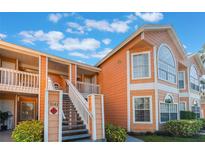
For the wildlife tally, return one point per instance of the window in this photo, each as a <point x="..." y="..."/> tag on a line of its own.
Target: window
<point x="168" y="110"/>
<point x="166" y="65"/>
<point x="182" y="106"/>
<point x="196" y="109"/>
<point x="56" y="86"/>
<point x="181" y="77"/>
<point x="194" y="80"/>
<point x="140" y="65"/>
<point x="142" y="107"/>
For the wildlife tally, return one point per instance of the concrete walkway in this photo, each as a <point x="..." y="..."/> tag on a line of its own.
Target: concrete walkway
<point x="133" y="139"/>
<point x="5" y="136"/>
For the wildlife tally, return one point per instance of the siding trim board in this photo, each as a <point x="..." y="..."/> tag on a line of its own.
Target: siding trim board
<point x="128" y="91"/>
<point x="153" y="85"/>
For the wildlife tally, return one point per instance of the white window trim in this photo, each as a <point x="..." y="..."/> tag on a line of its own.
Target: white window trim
<point x="165" y="103"/>
<point x="184" y="105"/>
<point x="184" y="80"/>
<point x="133" y="110"/>
<point x="163" y="44"/>
<point x="193" y="65"/>
<point x="149" y="62"/>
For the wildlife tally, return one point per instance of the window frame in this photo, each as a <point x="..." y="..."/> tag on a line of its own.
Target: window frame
<point x="163" y="122"/>
<point x="193" y="66"/>
<point x="158" y="60"/>
<point x="149" y="64"/>
<point x="133" y="111"/>
<point x="185" y="105"/>
<point x="183" y="79"/>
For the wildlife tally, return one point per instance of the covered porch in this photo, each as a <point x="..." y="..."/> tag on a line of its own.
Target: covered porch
<point x="19" y="107"/>
<point x="83" y="78"/>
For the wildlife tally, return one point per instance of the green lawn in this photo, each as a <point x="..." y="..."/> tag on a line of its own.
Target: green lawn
<point x="159" y="138"/>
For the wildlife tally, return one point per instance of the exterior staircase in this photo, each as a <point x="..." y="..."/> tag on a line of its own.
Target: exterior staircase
<point x="73" y="127"/>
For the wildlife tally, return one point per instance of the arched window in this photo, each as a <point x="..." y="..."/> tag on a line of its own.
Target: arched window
<point x="56" y="86"/>
<point x="194" y="79"/>
<point x="168" y="110"/>
<point x="166" y="64"/>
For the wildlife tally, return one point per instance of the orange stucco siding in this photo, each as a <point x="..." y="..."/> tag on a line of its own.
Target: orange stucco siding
<point x="43" y="84"/>
<point x="73" y="73"/>
<point x="113" y="82"/>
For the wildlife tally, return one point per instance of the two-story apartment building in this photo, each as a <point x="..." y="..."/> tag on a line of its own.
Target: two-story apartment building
<point x="146" y="80"/>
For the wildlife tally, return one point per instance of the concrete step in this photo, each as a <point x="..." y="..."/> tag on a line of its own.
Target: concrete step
<point x="78" y="126"/>
<point x="74" y="132"/>
<point x="72" y="121"/>
<point x="75" y="137"/>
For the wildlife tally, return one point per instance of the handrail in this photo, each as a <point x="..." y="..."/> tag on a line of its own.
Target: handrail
<point x="14" y="80"/>
<point x="17" y="71"/>
<point x="79" y="102"/>
<point x="88" y="88"/>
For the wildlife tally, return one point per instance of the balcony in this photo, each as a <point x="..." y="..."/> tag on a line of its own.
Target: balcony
<point x="18" y="81"/>
<point x="87" y="88"/>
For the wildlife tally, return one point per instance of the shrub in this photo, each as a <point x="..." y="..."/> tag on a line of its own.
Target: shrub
<point x="203" y="122"/>
<point x="187" y="115"/>
<point x="115" y="134"/>
<point x="183" y="127"/>
<point x="28" y="131"/>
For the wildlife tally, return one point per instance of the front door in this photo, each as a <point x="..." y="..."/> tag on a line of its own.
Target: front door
<point x="27" y="109"/>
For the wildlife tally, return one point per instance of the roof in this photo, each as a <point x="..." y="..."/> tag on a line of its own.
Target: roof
<point x="139" y="31"/>
<point x="37" y="53"/>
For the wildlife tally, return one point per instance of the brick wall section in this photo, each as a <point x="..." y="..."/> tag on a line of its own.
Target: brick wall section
<point x="43" y="84"/>
<point x="53" y="120"/>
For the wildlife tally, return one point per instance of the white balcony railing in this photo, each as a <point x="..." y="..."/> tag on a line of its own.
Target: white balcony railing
<point x="87" y="88"/>
<point x="18" y="81"/>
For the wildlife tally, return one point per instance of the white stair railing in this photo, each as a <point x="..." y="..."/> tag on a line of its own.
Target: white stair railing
<point x="79" y="102"/>
<point x="19" y="81"/>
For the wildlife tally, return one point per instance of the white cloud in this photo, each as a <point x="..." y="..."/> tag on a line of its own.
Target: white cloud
<point x="102" y="53"/>
<point x="56" y="40"/>
<point x="2" y="36"/>
<point x="103" y="25"/>
<point x="150" y="17"/>
<point x="106" y="41"/>
<point x="76" y="28"/>
<point x="80" y="61"/>
<point x="55" y="17"/>
<point x="78" y="54"/>
<point x="52" y="38"/>
<point x="84" y="44"/>
<point x="184" y="46"/>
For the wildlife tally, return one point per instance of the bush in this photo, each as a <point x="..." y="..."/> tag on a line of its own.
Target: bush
<point x="203" y="122"/>
<point x="187" y="115"/>
<point x="183" y="127"/>
<point x="115" y="134"/>
<point x="28" y="131"/>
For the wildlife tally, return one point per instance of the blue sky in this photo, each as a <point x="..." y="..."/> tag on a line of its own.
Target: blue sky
<point x="87" y="37"/>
